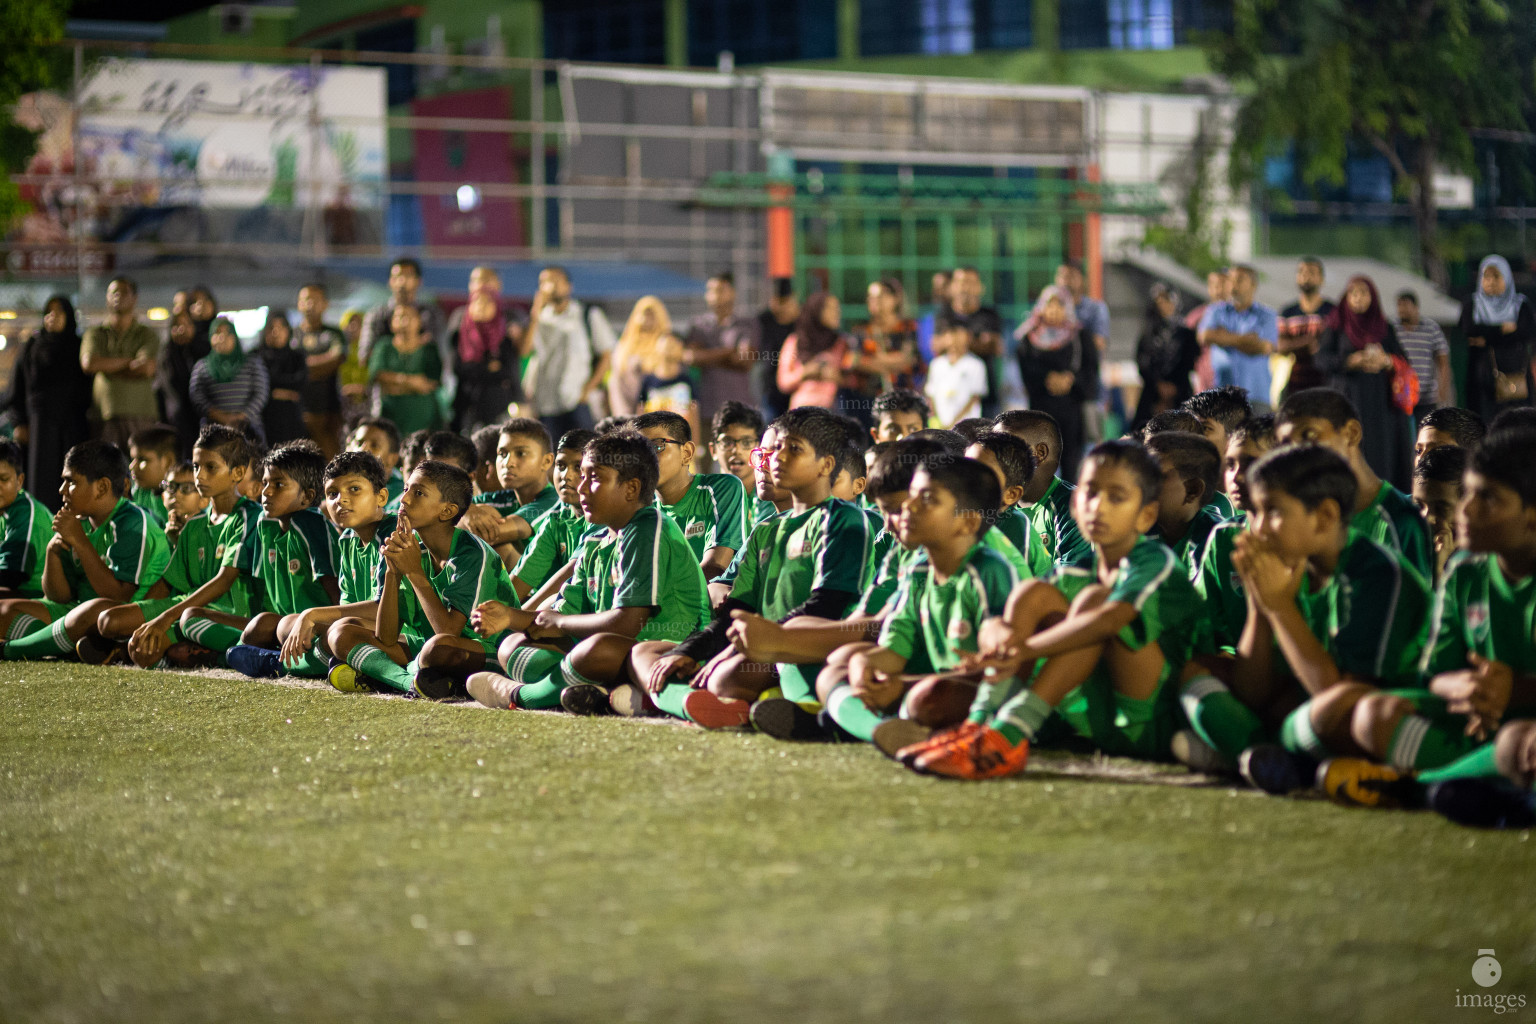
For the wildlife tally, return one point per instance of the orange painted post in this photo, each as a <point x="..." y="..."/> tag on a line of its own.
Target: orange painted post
<point x="781" y="233"/>
<point x="1094" y="244"/>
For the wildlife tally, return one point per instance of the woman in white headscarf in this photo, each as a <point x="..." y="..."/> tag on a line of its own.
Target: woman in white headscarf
<point x="1499" y="326"/>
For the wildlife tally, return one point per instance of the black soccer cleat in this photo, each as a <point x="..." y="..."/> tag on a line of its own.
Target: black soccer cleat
<point x="584" y="699"/>
<point x="785" y="720"/>
<point x="1275" y="770"/>
<point x="1480" y="803"/>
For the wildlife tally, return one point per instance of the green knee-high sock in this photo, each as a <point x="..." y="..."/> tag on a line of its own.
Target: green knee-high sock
<point x="849" y="712"/>
<point x="671" y="698"/>
<point x="47" y="642"/>
<point x="798" y="683"/>
<point x="1219" y="718"/>
<point x="538" y="670"/>
<point x="1299" y="736"/>
<point x="378" y="666"/>
<point x="310" y="665"/>
<point x="1021" y="718"/>
<point x="991" y="695"/>
<point x="1482" y="763"/>
<point x="21" y="625"/>
<point x="1419" y="743"/>
<point x="571" y="677"/>
<point x="213" y="635"/>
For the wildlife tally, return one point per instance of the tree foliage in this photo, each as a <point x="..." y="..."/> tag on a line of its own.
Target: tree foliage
<point x="1409" y="78"/>
<point x="28" y="31"/>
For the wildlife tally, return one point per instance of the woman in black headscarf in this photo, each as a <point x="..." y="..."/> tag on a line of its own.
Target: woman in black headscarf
<point x="1165" y="354"/>
<point x="187" y="343"/>
<point x="49" y="396"/>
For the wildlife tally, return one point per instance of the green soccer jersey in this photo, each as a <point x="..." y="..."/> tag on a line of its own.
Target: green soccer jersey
<point x="26" y="526"/>
<point x="1370" y="614"/>
<point x="646" y="564"/>
<point x="1015" y="524"/>
<point x="148" y="499"/>
<point x="291" y="563"/>
<point x="542" y="502"/>
<point x="1057" y="530"/>
<point x="472" y="573"/>
<point x="1393" y="521"/>
<point x="394" y="486"/>
<point x="826" y="547"/>
<point x="884" y="540"/>
<point x="712" y="513"/>
<point x="229" y="538"/>
<point x="357" y="562"/>
<point x="131" y="544"/>
<point x="942" y="620"/>
<point x="1221" y="507"/>
<point x="197" y="559"/>
<point x="504" y="502"/>
<point x="995" y="540"/>
<point x="759" y="510"/>
<point x="1153" y="581"/>
<point x="1478" y="608"/>
<point x="556" y="537"/>
<point x="887" y="580"/>
<point x="1220" y="588"/>
<point x="1191" y="546"/>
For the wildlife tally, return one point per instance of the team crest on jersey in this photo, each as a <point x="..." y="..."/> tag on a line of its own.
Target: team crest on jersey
<point x="1477" y="618"/>
<point x="272" y="555"/>
<point x="695" y="530"/>
<point x="613" y="574"/>
<point x="202" y="551"/>
<point x="218" y="552"/>
<point x="959" y="629"/>
<point x="796" y="546"/>
<point x="293" y="566"/>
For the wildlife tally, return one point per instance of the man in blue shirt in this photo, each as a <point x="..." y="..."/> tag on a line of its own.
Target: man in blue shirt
<point x="1242" y="334"/>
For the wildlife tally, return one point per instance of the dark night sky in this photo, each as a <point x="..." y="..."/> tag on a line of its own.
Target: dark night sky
<point x="139" y="10"/>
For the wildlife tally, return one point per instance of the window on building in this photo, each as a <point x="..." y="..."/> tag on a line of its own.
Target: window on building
<point x="761" y="33"/>
<point x="1083" y="24"/>
<point x="943" y="26"/>
<point x="617" y="31"/>
<point x="1140" y="24"/>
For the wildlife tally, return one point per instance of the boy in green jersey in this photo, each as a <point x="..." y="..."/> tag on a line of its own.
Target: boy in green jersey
<point x="1330" y="610"/>
<point x="953" y="584"/>
<point x="355" y="495"/>
<point x="25" y="527"/>
<point x="899" y="413"/>
<point x="736" y="429"/>
<point x="1382" y="512"/>
<point x="453" y="448"/>
<point x="290" y="555"/>
<point x="1014" y="463"/>
<point x="557" y="533"/>
<point x="178" y="493"/>
<point x="431" y="576"/>
<point x="1470" y="730"/>
<point x="151" y="454"/>
<point x="381" y="439"/>
<point x="202" y="571"/>
<point x="809" y="560"/>
<point x="1191" y="467"/>
<point x="1221" y="411"/>
<point x="487" y="478"/>
<point x="1437" y="492"/>
<point x="1448" y="427"/>
<point x="1048" y="498"/>
<point x="710" y="508"/>
<point x="1109" y="637"/>
<point x="637" y="580"/>
<point x="524" y="458"/>
<point x="105" y="550"/>
<point x="771" y="499"/>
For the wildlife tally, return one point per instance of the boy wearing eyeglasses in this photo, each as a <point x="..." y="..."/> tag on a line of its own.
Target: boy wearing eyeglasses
<point x="738" y="431"/>
<point x="178" y="493"/>
<point x="710" y="508"/>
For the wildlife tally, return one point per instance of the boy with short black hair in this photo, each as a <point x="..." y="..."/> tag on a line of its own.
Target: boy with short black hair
<point x="431" y="576"/>
<point x="487" y="479"/>
<point x="710" y="508"/>
<point x="1382" y="512"/>
<point x="202" y="570"/>
<point x="809" y="560"/>
<point x="1048" y="498"/>
<point x="291" y="555"/>
<point x="356" y="491"/>
<point x="1221" y="411"/>
<point x="1448" y="427"/>
<point x="1437" y="491"/>
<point x="1344" y="613"/>
<point x="899" y="413"/>
<point x="1470" y="719"/>
<point x="381" y="439"/>
<point x="25" y="528"/>
<point x="1014" y="463"/>
<point x="1173" y="419"/>
<point x="105" y="550"/>
<point x="947" y="592"/>
<point x="1109" y="637"/>
<point x="151" y="454"/>
<point x="734" y="432"/>
<point x="636" y="580"/>
<point x="973" y="427"/>
<point x="524" y="458"/>
<point x="453" y="448"/>
<point x="558" y="532"/>
<point x="1191" y="467"/>
<point x="178" y="493"/>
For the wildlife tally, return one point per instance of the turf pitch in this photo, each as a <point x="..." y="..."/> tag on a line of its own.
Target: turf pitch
<point x="183" y="848"/>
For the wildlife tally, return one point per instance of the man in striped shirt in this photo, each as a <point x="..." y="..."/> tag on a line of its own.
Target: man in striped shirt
<point x="1428" y="354"/>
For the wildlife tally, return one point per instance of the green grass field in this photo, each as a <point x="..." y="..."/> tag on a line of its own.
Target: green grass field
<point x="175" y="848"/>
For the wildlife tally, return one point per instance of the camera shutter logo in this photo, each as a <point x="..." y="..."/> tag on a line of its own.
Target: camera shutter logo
<point x="1485" y="969"/>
